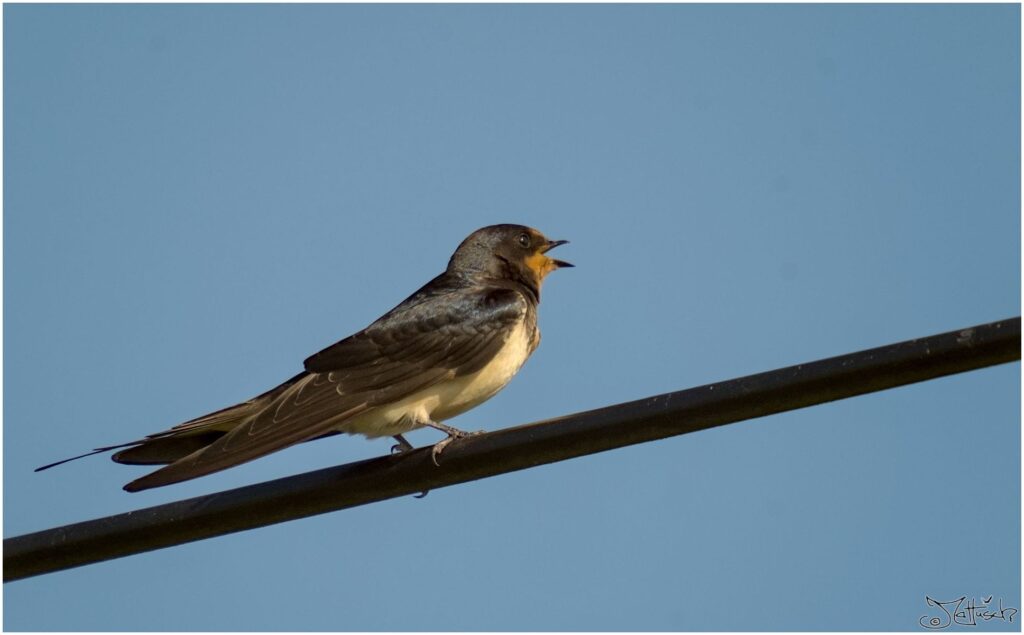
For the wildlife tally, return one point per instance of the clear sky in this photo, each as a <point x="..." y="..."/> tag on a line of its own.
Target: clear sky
<point x="198" y="197"/>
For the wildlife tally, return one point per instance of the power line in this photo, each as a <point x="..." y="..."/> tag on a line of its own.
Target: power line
<point x="512" y="449"/>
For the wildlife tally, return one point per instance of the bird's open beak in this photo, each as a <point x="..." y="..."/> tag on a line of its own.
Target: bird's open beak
<point x="558" y="264"/>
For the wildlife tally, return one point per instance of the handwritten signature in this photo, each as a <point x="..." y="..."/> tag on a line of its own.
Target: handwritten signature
<point x="964" y="612"/>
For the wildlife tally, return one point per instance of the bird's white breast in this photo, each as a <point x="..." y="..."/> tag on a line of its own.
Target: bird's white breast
<point x="448" y="398"/>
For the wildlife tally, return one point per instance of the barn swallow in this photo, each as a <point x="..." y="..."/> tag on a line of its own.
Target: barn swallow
<point x="447" y="348"/>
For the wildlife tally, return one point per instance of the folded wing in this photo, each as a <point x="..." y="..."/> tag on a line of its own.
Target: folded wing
<point x="442" y="337"/>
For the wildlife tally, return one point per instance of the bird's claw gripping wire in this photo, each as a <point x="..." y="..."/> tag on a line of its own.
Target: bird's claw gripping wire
<point x="402" y="447"/>
<point x="453" y="434"/>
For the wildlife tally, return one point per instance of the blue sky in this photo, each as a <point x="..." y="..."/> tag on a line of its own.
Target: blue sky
<point x="198" y="197"/>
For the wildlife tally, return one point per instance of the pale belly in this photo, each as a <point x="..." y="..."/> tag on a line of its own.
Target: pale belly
<point x="446" y="399"/>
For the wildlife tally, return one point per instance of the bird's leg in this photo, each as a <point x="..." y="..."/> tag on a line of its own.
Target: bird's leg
<point x="404" y="446"/>
<point x="453" y="434"/>
<point x="401" y="446"/>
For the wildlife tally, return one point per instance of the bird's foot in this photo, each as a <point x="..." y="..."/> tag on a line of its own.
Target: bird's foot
<point x="453" y="434"/>
<point x="401" y="446"/>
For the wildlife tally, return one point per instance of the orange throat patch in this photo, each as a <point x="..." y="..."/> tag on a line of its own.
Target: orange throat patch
<point x="541" y="265"/>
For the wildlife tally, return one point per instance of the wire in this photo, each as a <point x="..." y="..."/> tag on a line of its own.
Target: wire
<point x="512" y="449"/>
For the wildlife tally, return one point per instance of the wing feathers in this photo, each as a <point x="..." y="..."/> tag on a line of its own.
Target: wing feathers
<point x="411" y="348"/>
<point x="230" y="450"/>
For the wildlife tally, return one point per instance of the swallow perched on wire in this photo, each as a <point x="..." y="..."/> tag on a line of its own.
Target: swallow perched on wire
<point x="447" y="348"/>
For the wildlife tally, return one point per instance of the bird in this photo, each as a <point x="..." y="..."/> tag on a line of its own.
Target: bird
<point x="448" y="347"/>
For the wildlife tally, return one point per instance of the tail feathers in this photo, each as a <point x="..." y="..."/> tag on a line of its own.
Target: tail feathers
<point x="82" y="456"/>
<point x="181" y="440"/>
<point x="188" y="438"/>
<point x="157" y="449"/>
<point x="170" y="445"/>
<point x="166" y="450"/>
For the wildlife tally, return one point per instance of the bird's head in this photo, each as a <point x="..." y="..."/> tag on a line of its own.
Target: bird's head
<point x="515" y="252"/>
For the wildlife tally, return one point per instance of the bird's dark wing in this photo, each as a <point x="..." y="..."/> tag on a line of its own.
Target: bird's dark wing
<point x="448" y="335"/>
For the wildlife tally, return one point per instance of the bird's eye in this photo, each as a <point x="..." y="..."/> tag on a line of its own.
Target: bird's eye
<point x="524" y="240"/>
